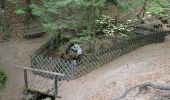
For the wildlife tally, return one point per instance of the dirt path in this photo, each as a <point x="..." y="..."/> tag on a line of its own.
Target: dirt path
<point x="16" y="53"/>
<point x="150" y="63"/>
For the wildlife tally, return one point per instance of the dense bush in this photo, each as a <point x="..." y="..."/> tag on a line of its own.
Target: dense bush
<point x="112" y="27"/>
<point x="3" y="78"/>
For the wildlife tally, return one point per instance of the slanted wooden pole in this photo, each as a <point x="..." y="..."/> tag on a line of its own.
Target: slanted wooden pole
<point x="56" y="85"/>
<point x="42" y="71"/>
<point x="26" y="81"/>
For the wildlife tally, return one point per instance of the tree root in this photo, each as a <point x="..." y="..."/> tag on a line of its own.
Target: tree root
<point x="143" y="86"/>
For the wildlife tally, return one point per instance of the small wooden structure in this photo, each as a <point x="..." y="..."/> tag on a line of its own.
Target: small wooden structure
<point x="39" y="84"/>
<point x="33" y="34"/>
<point x="32" y="31"/>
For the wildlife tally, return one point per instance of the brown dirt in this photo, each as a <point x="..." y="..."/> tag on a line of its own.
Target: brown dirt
<point x="12" y="54"/>
<point x="146" y="64"/>
<point x="18" y="21"/>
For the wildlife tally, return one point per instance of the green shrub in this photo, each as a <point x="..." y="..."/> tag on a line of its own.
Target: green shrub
<point x="111" y="27"/>
<point x="3" y="78"/>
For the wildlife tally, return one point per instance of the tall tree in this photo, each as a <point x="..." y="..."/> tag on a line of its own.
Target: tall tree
<point x="5" y="24"/>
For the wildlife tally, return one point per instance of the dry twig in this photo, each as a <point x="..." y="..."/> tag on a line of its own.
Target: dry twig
<point x="155" y="86"/>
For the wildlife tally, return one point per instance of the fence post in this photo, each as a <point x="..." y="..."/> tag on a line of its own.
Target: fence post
<point x="56" y="85"/>
<point x="26" y="81"/>
<point x="72" y="70"/>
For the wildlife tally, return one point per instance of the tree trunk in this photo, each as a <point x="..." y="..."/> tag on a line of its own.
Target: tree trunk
<point x="5" y="24"/>
<point x="28" y="12"/>
<point x="142" y="11"/>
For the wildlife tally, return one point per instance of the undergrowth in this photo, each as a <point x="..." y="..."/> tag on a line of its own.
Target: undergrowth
<point x="3" y="78"/>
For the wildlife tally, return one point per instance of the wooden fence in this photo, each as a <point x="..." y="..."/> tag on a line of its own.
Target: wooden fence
<point x="40" y="60"/>
<point x="38" y="84"/>
<point x="101" y="57"/>
<point x="53" y="65"/>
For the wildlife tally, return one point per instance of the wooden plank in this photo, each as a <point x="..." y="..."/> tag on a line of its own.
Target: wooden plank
<point x="26" y="80"/>
<point x="43" y="71"/>
<point x="56" y="86"/>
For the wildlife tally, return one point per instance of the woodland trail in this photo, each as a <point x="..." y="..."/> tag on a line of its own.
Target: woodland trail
<point x="12" y="54"/>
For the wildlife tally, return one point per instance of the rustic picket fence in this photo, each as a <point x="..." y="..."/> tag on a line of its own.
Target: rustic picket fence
<point x="101" y="57"/>
<point x="40" y="60"/>
<point x="87" y="63"/>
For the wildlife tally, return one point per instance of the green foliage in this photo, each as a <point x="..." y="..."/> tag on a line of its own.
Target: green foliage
<point x="128" y="5"/>
<point x="25" y="11"/>
<point x="90" y="50"/>
<point x="159" y="7"/>
<point x="66" y="37"/>
<point x="90" y="3"/>
<point x="109" y="26"/>
<point x="20" y="11"/>
<point x="62" y="14"/>
<point x="14" y="1"/>
<point x="3" y="78"/>
<point x="82" y="39"/>
<point x="54" y="15"/>
<point x="69" y="17"/>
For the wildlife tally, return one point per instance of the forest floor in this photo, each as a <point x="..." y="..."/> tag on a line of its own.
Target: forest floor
<point x="150" y="63"/>
<point x="16" y="53"/>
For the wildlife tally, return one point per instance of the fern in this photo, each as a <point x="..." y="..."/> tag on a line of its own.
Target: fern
<point x="19" y="11"/>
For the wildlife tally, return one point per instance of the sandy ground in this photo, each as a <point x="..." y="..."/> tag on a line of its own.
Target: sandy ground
<point x="12" y="54"/>
<point x="146" y="64"/>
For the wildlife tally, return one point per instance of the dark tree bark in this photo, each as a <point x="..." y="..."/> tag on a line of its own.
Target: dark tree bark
<point x="28" y="13"/>
<point x="5" y="24"/>
<point x="143" y="9"/>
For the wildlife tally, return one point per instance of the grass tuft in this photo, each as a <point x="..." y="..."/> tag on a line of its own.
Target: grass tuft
<point x="3" y="78"/>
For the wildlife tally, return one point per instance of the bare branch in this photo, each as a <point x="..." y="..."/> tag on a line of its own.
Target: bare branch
<point x="143" y="9"/>
<point x="156" y="86"/>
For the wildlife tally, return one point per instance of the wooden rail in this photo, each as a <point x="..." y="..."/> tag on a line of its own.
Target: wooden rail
<point x="42" y="71"/>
